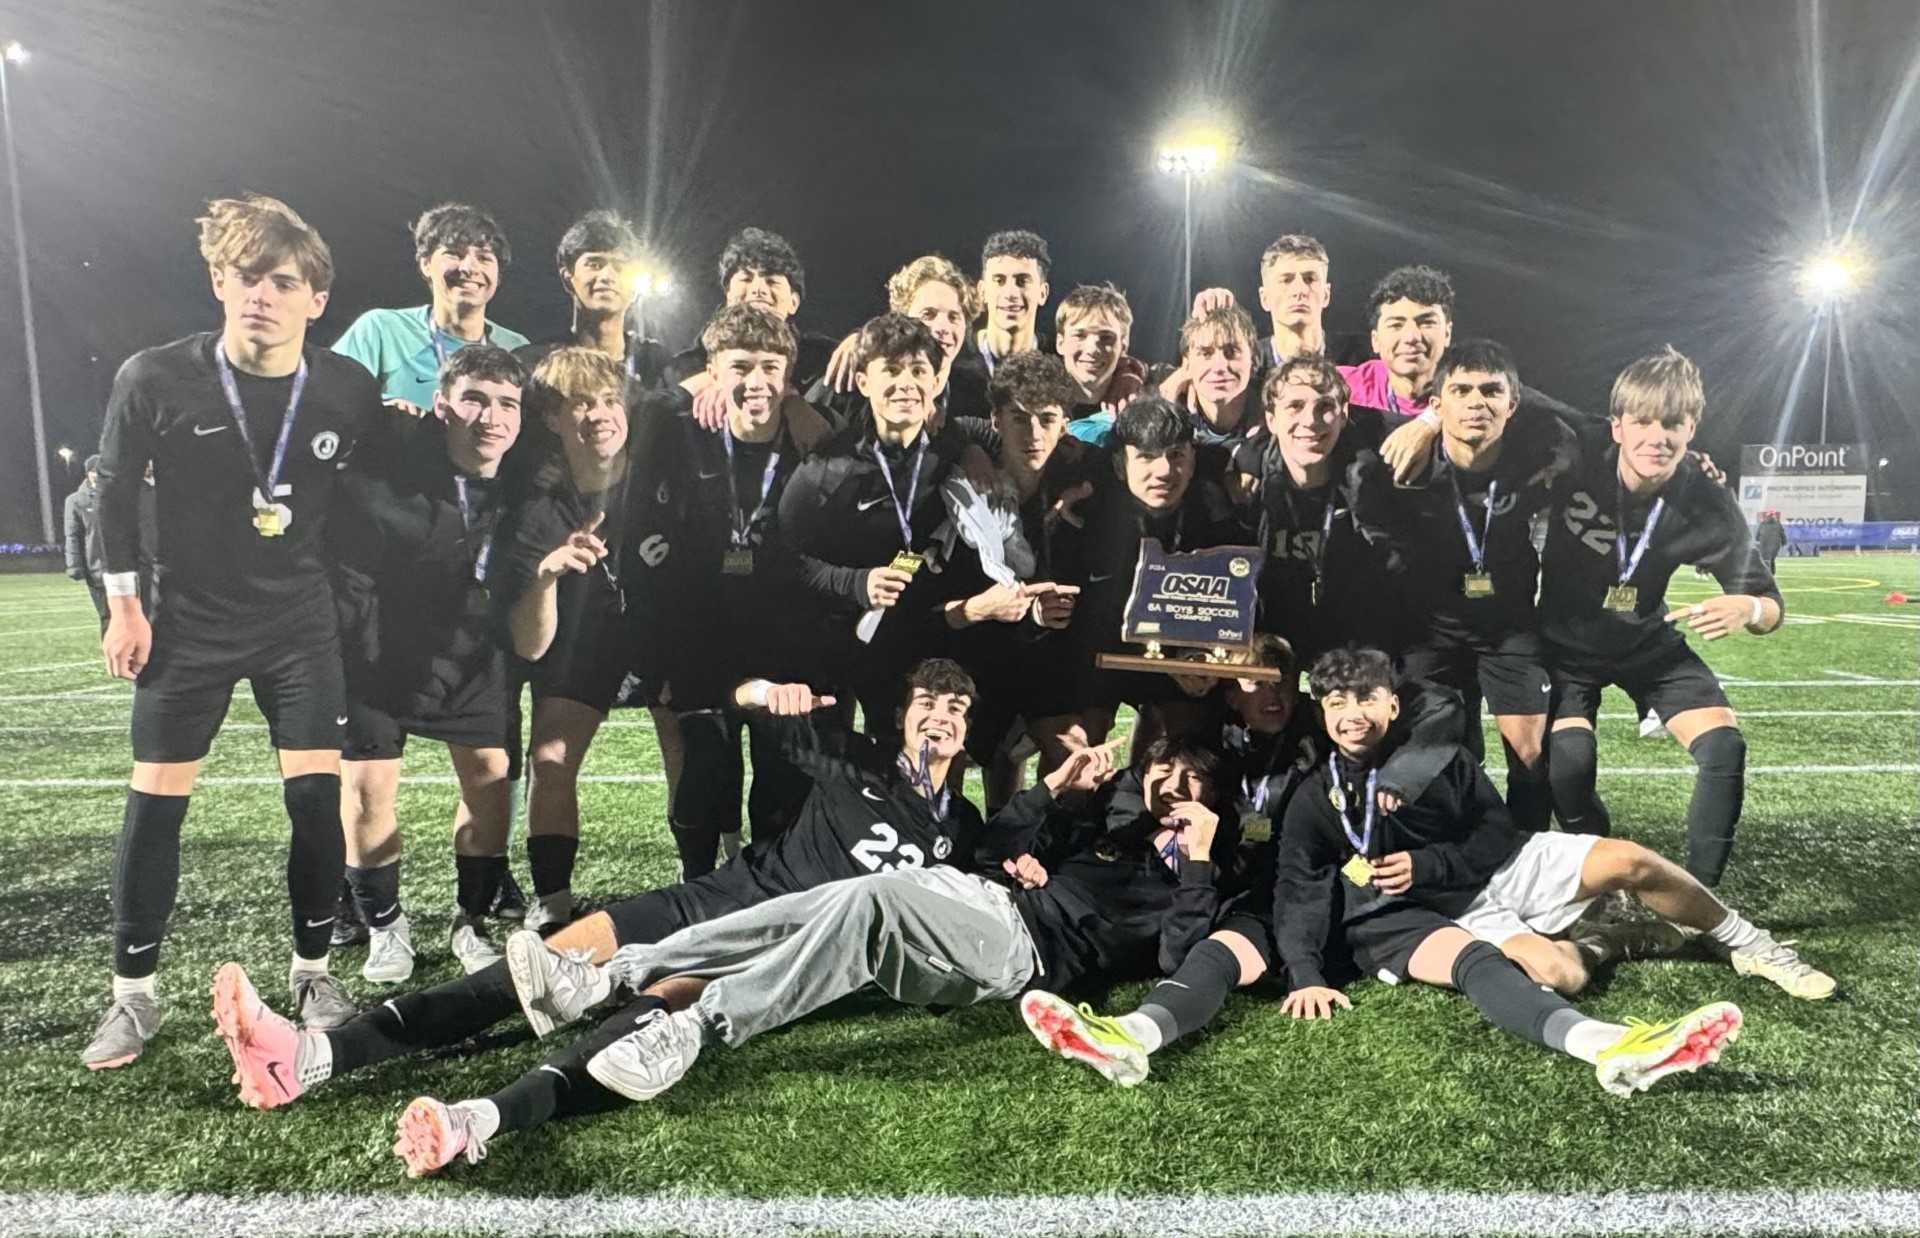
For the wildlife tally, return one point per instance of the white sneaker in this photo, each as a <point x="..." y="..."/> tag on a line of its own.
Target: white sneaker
<point x="471" y="946"/>
<point x="1651" y="727"/>
<point x="554" y="988"/>
<point x="1779" y="962"/>
<point x="389" y="953"/>
<point x="652" y="1058"/>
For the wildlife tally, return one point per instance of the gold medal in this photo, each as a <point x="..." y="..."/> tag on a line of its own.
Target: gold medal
<point x="1477" y="585"/>
<point x="1256" y="828"/>
<point x="266" y="522"/>
<point x="1623" y="598"/>
<point x="908" y="562"/>
<point x="737" y="562"/>
<point x="1357" y="870"/>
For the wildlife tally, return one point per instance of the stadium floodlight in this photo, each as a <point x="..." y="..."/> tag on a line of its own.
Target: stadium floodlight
<point x="1194" y="154"/>
<point x="65" y="454"/>
<point x="15" y="54"/>
<point x="1832" y="277"/>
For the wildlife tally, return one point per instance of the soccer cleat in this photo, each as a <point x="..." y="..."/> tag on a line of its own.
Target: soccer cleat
<point x="389" y="953"/>
<point x="130" y="1023"/>
<point x="554" y="988"/>
<point x="1080" y="1035"/>
<point x="349" y="926"/>
<point x="1779" y="962"/>
<point x="1651" y="726"/>
<point x="1616" y="941"/>
<point x="264" y="1045"/>
<point x="431" y="1134"/>
<point x="651" y="1058"/>
<point x="321" y="1002"/>
<point x="509" y="900"/>
<point x="471" y="946"/>
<point x="1647" y="1053"/>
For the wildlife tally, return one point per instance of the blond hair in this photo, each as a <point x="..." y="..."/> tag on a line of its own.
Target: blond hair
<point x="1230" y="319"/>
<point x="931" y="269"/>
<point x="1660" y="386"/>
<point x="1090" y="299"/>
<point x="1268" y="650"/>
<point x="254" y="233"/>
<point x="569" y="376"/>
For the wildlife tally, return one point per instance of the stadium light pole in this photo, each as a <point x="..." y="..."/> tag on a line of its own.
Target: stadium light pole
<point x="1192" y="158"/>
<point x="1826" y="281"/>
<point x="14" y="54"/>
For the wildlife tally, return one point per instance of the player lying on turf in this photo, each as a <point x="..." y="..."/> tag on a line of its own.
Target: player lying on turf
<point x="1465" y="884"/>
<point x="1129" y="889"/>
<point x="867" y="810"/>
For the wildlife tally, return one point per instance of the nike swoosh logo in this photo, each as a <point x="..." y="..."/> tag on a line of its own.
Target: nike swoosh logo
<point x="340" y="721"/>
<point x="710" y="476"/>
<point x="203" y="431"/>
<point x="1094" y="580"/>
<point x="860" y="507"/>
<point x="142" y="949"/>
<point x="318" y="923"/>
<point x="389" y="911"/>
<point x="868" y="792"/>
<point x="273" y="1069"/>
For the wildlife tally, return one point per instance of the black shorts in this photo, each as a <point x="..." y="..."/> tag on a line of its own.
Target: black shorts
<point x="181" y="697"/>
<point x="659" y="914"/>
<point x="713" y="776"/>
<point x="373" y="734"/>
<point x="588" y="662"/>
<point x="1383" y="942"/>
<point x="1669" y="681"/>
<point x="1510" y="674"/>
<point x="1257" y="928"/>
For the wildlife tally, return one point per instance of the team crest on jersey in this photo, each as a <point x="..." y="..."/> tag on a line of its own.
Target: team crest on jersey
<point x="325" y="445"/>
<point x="942" y="847"/>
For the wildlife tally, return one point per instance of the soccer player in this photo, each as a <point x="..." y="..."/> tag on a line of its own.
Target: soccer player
<point x="1014" y="266"/>
<point x="1213" y="380"/>
<point x="734" y="595"/>
<point x="1633" y="513"/>
<point x="245" y="428"/>
<point x="1463" y="528"/>
<point x="1126" y="891"/>
<point x="862" y="513"/>
<point x="597" y="260"/>
<point x="1092" y="329"/>
<point x="460" y="251"/>
<point x="1396" y="881"/>
<point x="1314" y="482"/>
<point x="1295" y="290"/>
<point x="761" y="269"/>
<point x="934" y="291"/>
<point x="410" y="545"/>
<point x="1410" y="312"/>
<point x="870" y="808"/>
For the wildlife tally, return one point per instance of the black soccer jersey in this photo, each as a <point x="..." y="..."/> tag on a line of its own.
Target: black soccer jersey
<point x="1431" y="520"/>
<point x="410" y="539"/>
<point x="211" y="563"/>
<point x="862" y="816"/>
<point x="1457" y="831"/>
<point x="1697" y="523"/>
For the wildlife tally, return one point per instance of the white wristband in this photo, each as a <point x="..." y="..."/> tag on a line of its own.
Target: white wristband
<point x="121" y="584"/>
<point x="757" y="690"/>
<point x="1429" y="417"/>
<point x="1759" y="613"/>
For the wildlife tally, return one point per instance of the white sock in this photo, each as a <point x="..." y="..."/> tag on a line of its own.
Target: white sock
<point x="313" y="1059"/>
<point x="124" y="986"/>
<point x="1142" y="1029"/>
<point x="485" y="1119"/>
<point x="1586" y="1038"/>
<point x="1736" y="932"/>
<point x="306" y="967"/>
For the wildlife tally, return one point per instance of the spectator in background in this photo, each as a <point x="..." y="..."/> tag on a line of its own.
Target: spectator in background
<point x="1769" y="537"/>
<point x="86" y="559"/>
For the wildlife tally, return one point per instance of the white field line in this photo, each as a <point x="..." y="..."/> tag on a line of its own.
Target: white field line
<point x="1851" y="675"/>
<point x="1191" y="1216"/>
<point x="447" y="780"/>
<point x="45" y="610"/>
<point x="52" y="666"/>
<point x="79" y="696"/>
<point x="77" y="627"/>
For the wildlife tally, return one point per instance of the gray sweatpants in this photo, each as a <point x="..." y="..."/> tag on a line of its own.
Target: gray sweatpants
<point x="926" y="936"/>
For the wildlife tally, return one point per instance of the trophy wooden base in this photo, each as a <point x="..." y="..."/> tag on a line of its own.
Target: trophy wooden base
<point x="1204" y="669"/>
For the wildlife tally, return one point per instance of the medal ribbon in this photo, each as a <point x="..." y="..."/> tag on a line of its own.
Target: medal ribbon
<point x="922" y="781"/>
<point x="904" y="514"/>
<point x="1476" y="547"/>
<point x="1365" y="836"/>
<point x="271" y="478"/>
<point x="486" y="337"/>
<point x="466" y="524"/>
<point x="743" y="522"/>
<point x="1629" y="565"/>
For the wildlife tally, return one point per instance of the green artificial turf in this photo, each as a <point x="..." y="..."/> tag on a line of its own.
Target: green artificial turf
<point x="1410" y="1089"/>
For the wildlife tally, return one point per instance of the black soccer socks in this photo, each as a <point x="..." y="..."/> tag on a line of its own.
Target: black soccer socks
<point x="376" y="891"/>
<point x="1572" y="768"/>
<point x="1188" y="1000"/>
<point x="146" y="880"/>
<point x="1506" y="995"/>
<point x="443" y="1015"/>
<point x="560" y="1087"/>
<point x="316" y="858"/>
<point x="1719" y="788"/>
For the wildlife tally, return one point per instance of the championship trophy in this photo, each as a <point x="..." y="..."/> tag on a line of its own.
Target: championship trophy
<point x="1191" y="611"/>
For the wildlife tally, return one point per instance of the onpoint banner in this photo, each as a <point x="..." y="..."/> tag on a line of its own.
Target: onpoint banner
<point x="1807" y="483"/>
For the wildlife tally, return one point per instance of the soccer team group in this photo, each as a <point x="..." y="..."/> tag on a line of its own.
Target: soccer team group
<point x="936" y="519"/>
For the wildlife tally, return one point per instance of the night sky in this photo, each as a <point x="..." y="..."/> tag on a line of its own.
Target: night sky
<point x="1599" y="178"/>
